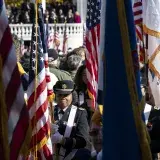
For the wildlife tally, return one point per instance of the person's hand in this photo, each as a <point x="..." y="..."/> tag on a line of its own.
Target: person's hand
<point x="54" y="128"/>
<point x="56" y="138"/>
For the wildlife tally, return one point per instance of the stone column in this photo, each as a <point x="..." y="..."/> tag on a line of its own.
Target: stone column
<point x="82" y="9"/>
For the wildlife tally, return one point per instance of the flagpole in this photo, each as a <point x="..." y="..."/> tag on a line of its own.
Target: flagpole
<point x="36" y="65"/>
<point x="146" y="63"/>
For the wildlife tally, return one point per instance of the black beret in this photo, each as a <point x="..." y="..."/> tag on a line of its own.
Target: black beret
<point x="64" y="87"/>
<point x="53" y="54"/>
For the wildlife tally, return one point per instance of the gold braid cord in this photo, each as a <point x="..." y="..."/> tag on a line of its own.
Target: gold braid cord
<point x="151" y="32"/>
<point x="3" y="119"/>
<point x="136" y="105"/>
<point x="35" y="89"/>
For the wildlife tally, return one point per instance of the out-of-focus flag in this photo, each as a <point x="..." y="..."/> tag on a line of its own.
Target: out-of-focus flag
<point x="100" y="97"/>
<point x="138" y="18"/>
<point x="53" y="40"/>
<point x="14" y="117"/>
<point x="65" y="40"/>
<point x="92" y="47"/>
<point x="45" y="54"/>
<point x="124" y="133"/>
<point x="56" y="40"/>
<point x="22" y="47"/>
<point x="41" y="145"/>
<point x="151" y="23"/>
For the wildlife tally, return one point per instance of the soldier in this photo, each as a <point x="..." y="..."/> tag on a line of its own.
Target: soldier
<point x="72" y="135"/>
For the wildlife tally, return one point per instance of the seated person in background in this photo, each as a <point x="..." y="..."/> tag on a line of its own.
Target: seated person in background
<point x="73" y="63"/>
<point x="53" y="16"/>
<point x="61" y="17"/>
<point x="71" y="131"/>
<point x="80" y="51"/>
<point x="77" y="17"/>
<point x="55" y="73"/>
<point x="70" y="17"/>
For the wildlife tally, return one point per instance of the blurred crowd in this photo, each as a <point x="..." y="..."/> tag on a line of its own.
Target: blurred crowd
<point x="56" y="12"/>
<point x="72" y="67"/>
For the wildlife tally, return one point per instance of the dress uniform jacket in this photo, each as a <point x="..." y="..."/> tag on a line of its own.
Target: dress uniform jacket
<point x="154" y="130"/>
<point x="79" y="136"/>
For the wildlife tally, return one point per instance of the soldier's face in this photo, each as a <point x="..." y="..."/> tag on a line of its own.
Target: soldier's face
<point x="64" y="100"/>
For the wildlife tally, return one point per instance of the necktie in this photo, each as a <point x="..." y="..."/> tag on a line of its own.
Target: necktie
<point x="61" y="113"/>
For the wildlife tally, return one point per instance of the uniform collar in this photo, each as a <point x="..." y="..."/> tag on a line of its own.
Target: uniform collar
<point x="62" y="109"/>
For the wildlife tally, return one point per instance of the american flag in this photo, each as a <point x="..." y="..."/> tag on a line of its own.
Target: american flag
<point x="92" y="47"/>
<point x="53" y="40"/>
<point x="37" y="99"/>
<point x="22" y="47"/>
<point x="45" y="54"/>
<point x="49" y="36"/>
<point x="65" y="40"/>
<point x="56" y="41"/>
<point x="13" y="105"/>
<point x="138" y="11"/>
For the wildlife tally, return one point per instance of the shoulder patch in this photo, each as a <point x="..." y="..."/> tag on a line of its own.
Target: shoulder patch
<point x="82" y="109"/>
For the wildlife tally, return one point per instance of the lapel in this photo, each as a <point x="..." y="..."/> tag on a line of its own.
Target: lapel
<point x="56" y="118"/>
<point x="64" y="117"/>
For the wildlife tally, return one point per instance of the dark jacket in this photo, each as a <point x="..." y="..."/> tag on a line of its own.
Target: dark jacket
<point x="80" y="131"/>
<point x="154" y="131"/>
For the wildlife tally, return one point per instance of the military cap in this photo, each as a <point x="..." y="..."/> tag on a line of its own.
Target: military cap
<point x="64" y="87"/>
<point x="52" y="53"/>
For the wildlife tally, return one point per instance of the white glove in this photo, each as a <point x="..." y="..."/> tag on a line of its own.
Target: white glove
<point x="56" y="138"/>
<point x="54" y="128"/>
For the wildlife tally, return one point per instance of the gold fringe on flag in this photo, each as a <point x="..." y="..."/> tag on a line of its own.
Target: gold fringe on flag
<point x="151" y="32"/>
<point x="3" y="119"/>
<point x="136" y="105"/>
<point x="51" y="97"/>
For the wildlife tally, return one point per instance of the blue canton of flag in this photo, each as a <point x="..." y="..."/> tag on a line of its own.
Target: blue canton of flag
<point x="36" y="45"/>
<point x="93" y="13"/>
<point x="42" y="29"/>
<point x="45" y="54"/>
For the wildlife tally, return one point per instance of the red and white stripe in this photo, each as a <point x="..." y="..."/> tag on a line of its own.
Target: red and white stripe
<point x="18" y="118"/>
<point x="39" y="115"/>
<point x="137" y="11"/>
<point x="22" y="48"/>
<point x="48" y="78"/>
<point x="138" y="18"/>
<point x="92" y="47"/>
<point x="53" y="40"/>
<point x="50" y="40"/>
